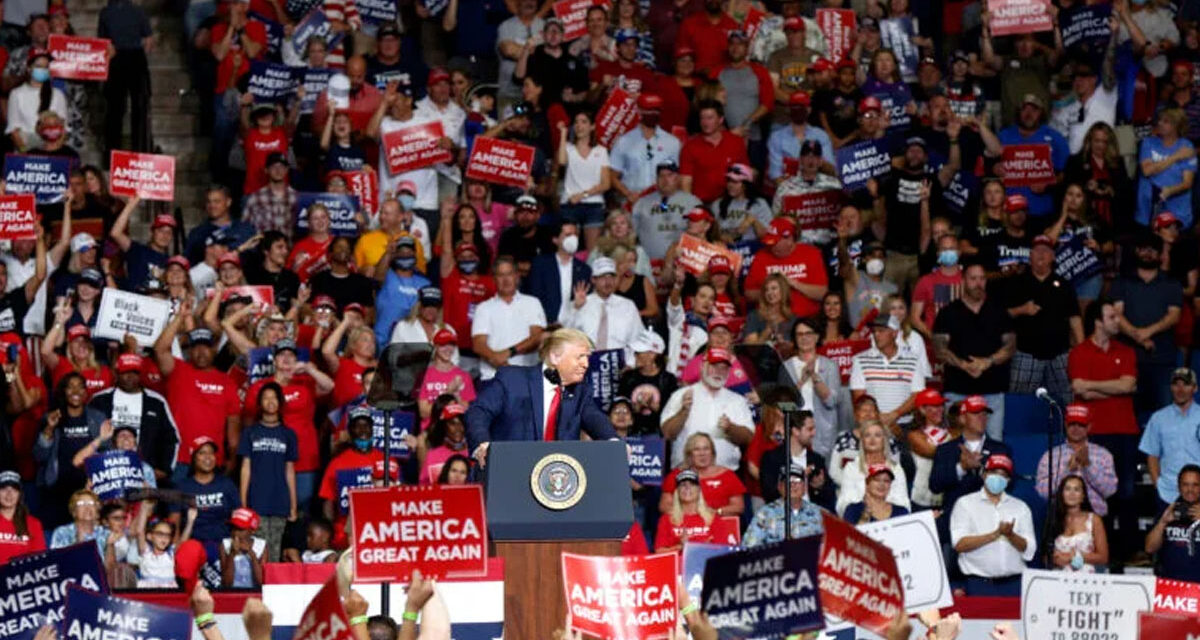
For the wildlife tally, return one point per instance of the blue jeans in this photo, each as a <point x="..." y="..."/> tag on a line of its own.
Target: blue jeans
<point x="995" y="401"/>
<point x="306" y="485"/>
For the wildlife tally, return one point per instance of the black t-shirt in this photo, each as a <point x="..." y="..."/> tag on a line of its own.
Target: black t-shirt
<point x="901" y="191"/>
<point x="138" y="260"/>
<point x="285" y="282"/>
<point x="975" y="334"/>
<point x="353" y="287"/>
<point x="854" y="246"/>
<point x="1178" y="558"/>
<point x="649" y="391"/>
<point x="1145" y="304"/>
<point x="514" y="244"/>
<point x="74" y="435"/>
<point x="13" y="307"/>
<point x="412" y="73"/>
<point x="840" y="109"/>
<point x="1047" y="333"/>
<point x="555" y="73"/>
<point x="348" y="158"/>
<point x="1003" y="251"/>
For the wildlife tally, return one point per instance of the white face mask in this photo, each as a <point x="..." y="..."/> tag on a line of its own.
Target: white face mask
<point x="874" y="266"/>
<point x="570" y="244"/>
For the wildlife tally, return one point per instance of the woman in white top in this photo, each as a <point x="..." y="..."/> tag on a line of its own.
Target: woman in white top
<point x="27" y="101"/>
<point x="873" y="450"/>
<point x="909" y="340"/>
<point x="1080" y="541"/>
<point x="587" y="177"/>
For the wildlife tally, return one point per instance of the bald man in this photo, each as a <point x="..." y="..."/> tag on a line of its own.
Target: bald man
<point x="364" y="98"/>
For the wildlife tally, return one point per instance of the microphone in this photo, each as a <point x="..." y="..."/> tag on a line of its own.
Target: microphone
<point x="1042" y="394"/>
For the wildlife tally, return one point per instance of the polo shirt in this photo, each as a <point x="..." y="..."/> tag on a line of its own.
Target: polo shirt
<point x="1046" y="334"/>
<point x="975" y="334"/>
<point x="706" y="163"/>
<point x="1172" y="436"/>
<point x="890" y="382"/>
<point x="1145" y="304"/>
<point x="637" y="157"/>
<point x="975" y="514"/>
<point x="1112" y="415"/>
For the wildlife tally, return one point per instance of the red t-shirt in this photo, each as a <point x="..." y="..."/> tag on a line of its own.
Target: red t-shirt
<point x="152" y="377"/>
<point x="347" y="459"/>
<point x="97" y="378"/>
<point x="675" y="102"/>
<point x="347" y="383"/>
<point x="12" y="545"/>
<point x="707" y="163"/>
<point x="709" y="41"/>
<point x="1086" y="361"/>
<point x="754" y="453"/>
<point x="235" y="63"/>
<point x="692" y="528"/>
<point x="936" y="290"/>
<point x="803" y="265"/>
<point x="258" y="146"/>
<point x="717" y="489"/>
<point x="309" y="257"/>
<point x="201" y="401"/>
<point x="300" y="404"/>
<point x="460" y="297"/>
<point x="634" y="77"/>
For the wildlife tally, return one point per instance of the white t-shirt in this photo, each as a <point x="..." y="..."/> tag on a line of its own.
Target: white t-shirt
<point x="584" y="173"/>
<point x="18" y="274"/>
<point x="505" y="324"/>
<point x="23" y="104"/>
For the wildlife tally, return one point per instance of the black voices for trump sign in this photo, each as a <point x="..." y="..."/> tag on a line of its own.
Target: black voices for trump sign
<point x="33" y="588"/>
<point x="122" y="312"/>
<point x="768" y="591"/>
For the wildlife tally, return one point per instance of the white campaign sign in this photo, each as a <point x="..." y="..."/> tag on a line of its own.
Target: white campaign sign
<point x="122" y="312"/>
<point x="913" y="540"/>
<point x="1061" y="605"/>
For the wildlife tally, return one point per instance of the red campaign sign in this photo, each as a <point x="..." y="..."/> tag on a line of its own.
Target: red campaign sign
<point x="617" y="115"/>
<point x="628" y="597"/>
<point x="842" y="352"/>
<point x="325" y="618"/>
<point x="148" y="176"/>
<point x="726" y="530"/>
<point x="415" y="147"/>
<point x="438" y="529"/>
<point x="18" y="217"/>
<point x="258" y="294"/>
<point x="858" y="577"/>
<point x="501" y="162"/>
<point x="1157" y="626"/>
<point x="693" y="255"/>
<point x="1019" y="16"/>
<point x="1026" y="165"/>
<point x="573" y="15"/>
<point x="817" y="210"/>
<point x="1176" y="596"/>
<point x="838" y="26"/>
<point x="78" y="58"/>
<point x="753" y="22"/>
<point x="364" y="183"/>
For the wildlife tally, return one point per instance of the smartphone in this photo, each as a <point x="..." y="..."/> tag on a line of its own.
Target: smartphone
<point x="13" y="352"/>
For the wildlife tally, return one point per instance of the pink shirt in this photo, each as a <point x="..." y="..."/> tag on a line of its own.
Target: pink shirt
<point x="434" y="461"/>
<point x="438" y="382"/>
<point x="494" y="221"/>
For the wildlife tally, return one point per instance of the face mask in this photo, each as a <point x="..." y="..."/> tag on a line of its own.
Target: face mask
<point x="468" y="266"/>
<point x="404" y="264"/>
<point x="948" y="257"/>
<point x="874" y="266"/>
<point x="40" y="74"/>
<point x="407" y="201"/>
<point x="996" y="484"/>
<point x="570" y="244"/>
<point x="1077" y="560"/>
<point x="362" y="444"/>
<point x="51" y="133"/>
<point x="1149" y="264"/>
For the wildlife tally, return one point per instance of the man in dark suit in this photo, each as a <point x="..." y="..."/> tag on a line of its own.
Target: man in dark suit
<point x="796" y="450"/>
<point x="958" y="464"/>
<point x="548" y="401"/>
<point x="545" y="281"/>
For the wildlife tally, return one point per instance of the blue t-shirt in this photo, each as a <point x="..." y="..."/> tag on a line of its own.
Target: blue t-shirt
<point x="138" y="261"/>
<point x="349" y="158"/>
<point x="1039" y="204"/>
<point x="268" y="449"/>
<point x="1149" y="186"/>
<point x="395" y="299"/>
<point x="215" y="502"/>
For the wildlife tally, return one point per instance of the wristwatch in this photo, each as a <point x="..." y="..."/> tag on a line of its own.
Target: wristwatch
<point x="512" y="352"/>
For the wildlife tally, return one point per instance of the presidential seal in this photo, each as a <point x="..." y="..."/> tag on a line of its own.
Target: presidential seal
<point x="558" y="481"/>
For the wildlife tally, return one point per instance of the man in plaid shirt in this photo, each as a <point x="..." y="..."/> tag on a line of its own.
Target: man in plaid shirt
<point x="1079" y="457"/>
<point x="271" y="207"/>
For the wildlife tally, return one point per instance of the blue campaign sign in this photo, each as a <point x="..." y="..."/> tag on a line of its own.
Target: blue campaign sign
<point x="274" y="33"/>
<point x="604" y="371"/>
<point x="33" y="587"/>
<point x="272" y="82"/>
<point x="348" y="479"/>
<point x="1085" y="27"/>
<point x="746" y="249"/>
<point x="895" y="103"/>
<point x="862" y="161"/>
<point x="765" y="591"/>
<point x="43" y="176"/>
<point x="343" y="212"/>
<point x="114" y="472"/>
<point x="1074" y="261"/>
<point x="695" y="557"/>
<point x="435" y="7"/>
<point x="315" y="24"/>
<point x="92" y="616"/>
<point x="261" y="364"/>
<point x="646" y="459"/>
<point x="314" y="82"/>
<point x="377" y="11"/>
<point x="897" y="34"/>
<point x="403" y="424"/>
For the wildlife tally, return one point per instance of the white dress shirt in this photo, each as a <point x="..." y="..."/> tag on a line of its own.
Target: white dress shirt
<point x="548" y="389"/>
<point x="624" y="323"/>
<point x="505" y="324"/>
<point x="975" y="514"/>
<point x="707" y="408"/>
<point x="565" y="274"/>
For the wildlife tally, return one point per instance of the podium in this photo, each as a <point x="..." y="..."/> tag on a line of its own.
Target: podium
<point x="544" y="498"/>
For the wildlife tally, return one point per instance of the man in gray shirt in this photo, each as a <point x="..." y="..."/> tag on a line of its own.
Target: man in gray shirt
<point x="658" y="215"/>
<point x="511" y="38"/>
<point x="749" y="94"/>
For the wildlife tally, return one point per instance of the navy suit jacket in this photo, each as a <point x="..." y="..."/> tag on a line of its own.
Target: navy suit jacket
<point x="944" y="477"/>
<point x="510" y="408"/>
<point x="543" y="283"/>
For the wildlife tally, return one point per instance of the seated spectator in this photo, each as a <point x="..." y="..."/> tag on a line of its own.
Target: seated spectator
<point x="456" y="471"/>
<point x="214" y="495"/>
<point x="1175" y="533"/>
<point x="873" y="451"/>
<point x="1080" y="541"/>
<point x="115" y="438"/>
<point x="689" y="517"/>
<point x="875" y="505"/>
<point x="84" y="507"/>
<point x="317" y="540"/>
<point x="20" y="531"/>
<point x="723" y="492"/>
<point x="769" y="524"/>
<point x="243" y="553"/>
<point x="797" y="450"/>
<point x="121" y="557"/>
<point x="708" y="407"/>
<point x="993" y="533"/>
<point x="1089" y="461"/>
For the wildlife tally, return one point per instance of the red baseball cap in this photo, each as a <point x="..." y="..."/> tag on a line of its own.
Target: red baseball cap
<point x="245" y="518"/>
<point x="793" y="24"/>
<point x="999" y="461"/>
<point x="200" y="441"/>
<point x="1016" y="202"/>
<point x="800" y="99"/>
<point x="975" y="404"/>
<point x="438" y="74"/>
<point x="720" y="321"/>
<point x="179" y="261"/>
<point x="821" y="64"/>
<point x="783" y="227"/>
<point x="407" y="185"/>
<point x="719" y="264"/>
<point x="129" y="362"/>
<point x="649" y="102"/>
<point x="930" y="398"/>
<point x="190" y="557"/>
<point x="324" y="301"/>
<point x="684" y="52"/>
<point x="870" y="103"/>
<point x="78" y="331"/>
<point x="698" y="214"/>
<point x="876" y="469"/>
<point x="1186" y="65"/>
<point x="463" y="247"/>
<point x="230" y="258"/>
<point x="846" y="63"/>
<point x="444" y="336"/>
<point x="1079" y="413"/>
<point x="716" y="355"/>
<point x="453" y="410"/>
<point x="354" y="306"/>
<point x="163" y="220"/>
<point x="1164" y="220"/>
<point x="1043" y="240"/>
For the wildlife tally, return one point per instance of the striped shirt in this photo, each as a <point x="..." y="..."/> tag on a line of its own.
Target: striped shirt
<point x="890" y="382"/>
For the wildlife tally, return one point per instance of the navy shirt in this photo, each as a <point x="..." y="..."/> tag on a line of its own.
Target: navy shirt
<point x="215" y="502"/>
<point x="1145" y="304"/>
<point x="138" y="260"/>
<point x="268" y="449"/>
<point x="1177" y="559"/>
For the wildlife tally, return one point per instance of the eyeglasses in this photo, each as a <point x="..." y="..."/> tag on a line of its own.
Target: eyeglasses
<point x="86" y="503"/>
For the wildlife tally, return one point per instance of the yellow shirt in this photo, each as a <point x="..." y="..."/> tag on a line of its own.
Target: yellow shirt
<point x="372" y="245"/>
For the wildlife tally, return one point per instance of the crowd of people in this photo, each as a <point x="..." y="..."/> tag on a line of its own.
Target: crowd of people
<point x="857" y="362"/>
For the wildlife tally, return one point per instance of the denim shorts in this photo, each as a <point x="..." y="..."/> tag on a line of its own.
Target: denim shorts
<point x="583" y="214"/>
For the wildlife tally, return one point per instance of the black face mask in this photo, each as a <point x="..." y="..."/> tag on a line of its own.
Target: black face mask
<point x="650" y="119"/>
<point x="1148" y="263"/>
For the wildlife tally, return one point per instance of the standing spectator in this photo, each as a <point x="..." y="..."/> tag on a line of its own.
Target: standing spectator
<point x="142" y="259"/>
<point x="1046" y="321"/>
<point x="929" y="429"/>
<point x="465" y="284"/>
<point x="84" y="507"/>
<point x="553" y="277"/>
<point x="271" y="269"/>
<point x="937" y="288"/>
<point x="397" y="271"/>
<point x="507" y="328"/>
<point x="611" y="321"/>
<point x="20" y="532"/>
<point x="865" y="289"/>
<point x="707" y="34"/>
<point x="1169" y="441"/>
<point x="1091" y="101"/>
<point x="893" y="378"/>
<point x="647" y="383"/>
<point x="819" y="382"/>
<point x="1175" y="534"/>
<point x="658" y="215"/>
<point x="800" y="263"/>
<point x="1148" y="304"/>
<point x="810" y="176"/>
<point x="787" y="143"/>
<point x="769" y="524"/>
<point x="511" y="37"/>
<point x="526" y="238"/>
<point x="587" y="177"/>
<point x="637" y="153"/>
<point x="708" y="407"/>
<point x="157" y="436"/>
<point x="958" y="464"/>
<point x="749" y="94"/>
<point x="689" y="518"/>
<point x="798" y="450"/>
<point x="1089" y="461"/>
<point x="27" y="101"/>
<point x="340" y="281"/>
<point x="215" y="496"/>
<point x="723" y="491"/>
<point x="268" y="474"/>
<point x="874" y="450"/>
<point x="1030" y="129"/>
<point x="1168" y="164"/>
<point x="272" y="207"/>
<point x="396" y="112"/>
<point x="706" y="156"/>
<point x="741" y="213"/>
<point x="973" y="337"/>
<point x="1100" y="169"/>
<point x="789" y="65"/>
<point x="993" y="534"/>
<point x="394" y="223"/>
<point x="127" y="27"/>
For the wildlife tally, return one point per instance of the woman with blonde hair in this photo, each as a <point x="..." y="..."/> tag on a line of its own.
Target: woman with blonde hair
<point x="1166" y="183"/>
<point x="720" y="487"/>
<point x="633" y="285"/>
<point x="1099" y="169"/>
<point x="772" y="321"/>
<point x="358" y="356"/>
<point x="619" y="232"/>
<point x="84" y="506"/>
<point x="873" y="450"/>
<point x="690" y="518"/>
<point x="908" y="338"/>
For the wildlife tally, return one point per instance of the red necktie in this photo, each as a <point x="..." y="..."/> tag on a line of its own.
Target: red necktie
<point x="551" y="431"/>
